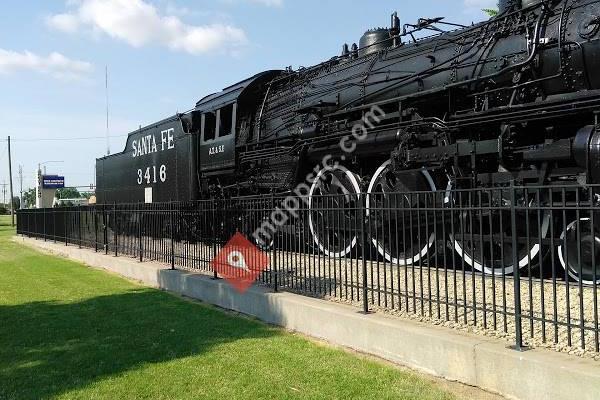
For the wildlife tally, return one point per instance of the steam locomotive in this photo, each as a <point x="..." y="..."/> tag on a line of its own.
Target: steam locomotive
<point x="513" y="98"/>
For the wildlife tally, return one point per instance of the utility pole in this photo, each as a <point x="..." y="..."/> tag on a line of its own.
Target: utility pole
<point x="4" y="192"/>
<point x="12" y="203"/>
<point x="21" y="187"/>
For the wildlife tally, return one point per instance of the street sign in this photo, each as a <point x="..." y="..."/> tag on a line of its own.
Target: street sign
<point x="53" y="182"/>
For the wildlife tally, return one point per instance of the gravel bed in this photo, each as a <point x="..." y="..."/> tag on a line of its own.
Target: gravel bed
<point x="457" y="299"/>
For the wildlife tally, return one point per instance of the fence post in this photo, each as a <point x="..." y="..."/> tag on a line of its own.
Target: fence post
<point x="95" y="214"/>
<point x="275" y="270"/>
<point x="65" y="220"/>
<point x="214" y="234"/>
<point x="79" y="225"/>
<point x="172" y="235"/>
<point x="516" y="278"/>
<point x="115" y="230"/>
<point x="363" y="245"/>
<point x="104" y="230"/>
<point x="140" y="248"/>
<point x="44" y="216"/>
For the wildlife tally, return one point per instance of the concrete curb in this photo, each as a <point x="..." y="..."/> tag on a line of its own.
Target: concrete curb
<point x="470" y="359"/>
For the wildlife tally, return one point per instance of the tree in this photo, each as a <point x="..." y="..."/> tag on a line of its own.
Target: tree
<point x="29" y="198"/>
<point x="492" y="12"/>
<point x="68" y="193"/>
<point x="16" y="203"/>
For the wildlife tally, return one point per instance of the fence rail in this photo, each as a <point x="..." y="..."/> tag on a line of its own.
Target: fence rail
<point x="520" y="261"/>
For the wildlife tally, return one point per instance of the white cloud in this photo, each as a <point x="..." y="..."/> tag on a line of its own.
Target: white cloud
<point x="139" y="23"/>
<point x="63" y="22"/>
<point x="54" y="64"/>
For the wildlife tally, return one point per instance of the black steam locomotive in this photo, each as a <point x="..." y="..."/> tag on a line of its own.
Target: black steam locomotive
<point x="514" y="98"/>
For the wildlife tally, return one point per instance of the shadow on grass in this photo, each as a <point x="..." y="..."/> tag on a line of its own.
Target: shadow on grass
<point x="49" y="348"/>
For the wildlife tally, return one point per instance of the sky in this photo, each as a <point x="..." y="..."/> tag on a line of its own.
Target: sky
<point x="162" y="56"/>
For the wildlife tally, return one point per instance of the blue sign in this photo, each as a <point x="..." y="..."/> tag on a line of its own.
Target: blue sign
<point x="53" y="182"/>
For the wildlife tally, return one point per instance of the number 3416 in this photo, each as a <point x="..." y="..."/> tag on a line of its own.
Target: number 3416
<point x="152" y="175"/>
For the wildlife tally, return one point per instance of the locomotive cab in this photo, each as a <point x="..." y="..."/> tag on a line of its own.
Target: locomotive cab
<point x="223" y="117"/>
<point x="217" y="139"/>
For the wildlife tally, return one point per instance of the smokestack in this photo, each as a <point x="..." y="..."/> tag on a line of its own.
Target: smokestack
<point x="395" y="29"/>
<point x="345" y="50"/>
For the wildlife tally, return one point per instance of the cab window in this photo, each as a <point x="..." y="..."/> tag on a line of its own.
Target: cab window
<point x="209" y="126"/>
<point x="226" y="121"/>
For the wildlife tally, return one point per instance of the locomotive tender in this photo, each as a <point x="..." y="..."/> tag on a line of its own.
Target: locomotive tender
<point x="514" y="98"/>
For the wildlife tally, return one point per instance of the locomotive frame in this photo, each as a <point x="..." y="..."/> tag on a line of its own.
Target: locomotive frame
<point x="512" y="99"/>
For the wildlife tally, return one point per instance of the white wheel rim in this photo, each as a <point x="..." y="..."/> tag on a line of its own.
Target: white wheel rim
<point x="264" y="246"/>
<point x="561" y="257"/>
<point x="381" y="249"/>
<point x="523" y="262"/>
<point x="313" y="231"/>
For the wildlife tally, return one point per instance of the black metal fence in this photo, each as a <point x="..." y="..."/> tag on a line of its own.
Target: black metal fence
<point x="517" y="261"/>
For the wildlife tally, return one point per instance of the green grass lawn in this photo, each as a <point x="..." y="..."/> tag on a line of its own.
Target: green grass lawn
<point x="70" y="332"/>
